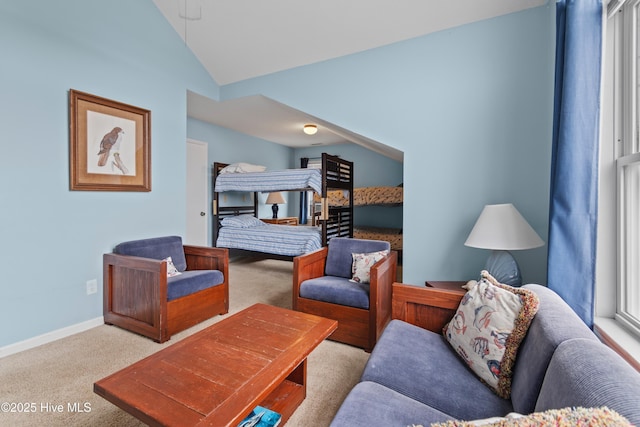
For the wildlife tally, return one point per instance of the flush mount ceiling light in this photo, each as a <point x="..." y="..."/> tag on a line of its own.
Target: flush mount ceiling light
<point x="310" y="129"/>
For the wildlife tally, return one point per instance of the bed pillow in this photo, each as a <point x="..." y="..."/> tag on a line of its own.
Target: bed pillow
<point x="242" y="168"/>
<point x="488" y="327"/>
<point x="592" y="417"/>
<point x="241" y="221"/>
<point x="362" y="263"/>
<point x="171" y="268"/>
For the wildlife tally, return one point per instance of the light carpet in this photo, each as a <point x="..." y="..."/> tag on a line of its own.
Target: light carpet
<point x="52" y="385"/>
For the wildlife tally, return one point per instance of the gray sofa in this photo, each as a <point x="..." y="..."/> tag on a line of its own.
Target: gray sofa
<point x="414" y="377"/>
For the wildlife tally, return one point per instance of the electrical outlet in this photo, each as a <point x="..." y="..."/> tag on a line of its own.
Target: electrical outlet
<point x="92" y="286"/>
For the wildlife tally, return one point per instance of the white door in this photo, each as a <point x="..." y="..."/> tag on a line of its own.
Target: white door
<point x="197" y="178"/>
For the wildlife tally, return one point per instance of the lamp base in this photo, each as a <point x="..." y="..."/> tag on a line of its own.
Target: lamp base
<point x="504" y="268"/>
<point x="274" y="209"/>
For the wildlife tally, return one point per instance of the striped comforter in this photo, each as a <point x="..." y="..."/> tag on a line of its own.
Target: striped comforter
<point x="286" y="240"/>
<point x="279" y="180"/>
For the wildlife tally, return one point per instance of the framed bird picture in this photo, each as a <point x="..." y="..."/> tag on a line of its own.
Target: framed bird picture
<point x="110" y="144"/>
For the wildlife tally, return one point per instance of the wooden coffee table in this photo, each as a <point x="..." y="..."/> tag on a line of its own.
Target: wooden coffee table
<point x="218" y="375"/>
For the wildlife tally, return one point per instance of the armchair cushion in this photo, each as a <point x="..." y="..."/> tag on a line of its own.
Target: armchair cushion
<point x="336" y="290"/>
<point x="339" y="258"/>
<point x="192" y="281"/>
<point x="156" y="248"/>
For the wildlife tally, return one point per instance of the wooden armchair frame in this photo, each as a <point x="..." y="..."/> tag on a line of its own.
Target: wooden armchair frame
<point x="135" y="293"/>
<point x="428" y="308"/>
<point x="356" y="326"/>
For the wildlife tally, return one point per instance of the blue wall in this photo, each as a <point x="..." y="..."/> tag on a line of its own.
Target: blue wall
<point x="470" y="107"/>
<point x="52" y="238"/>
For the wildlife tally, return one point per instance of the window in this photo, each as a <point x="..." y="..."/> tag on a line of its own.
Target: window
<point x="627" y="69"/>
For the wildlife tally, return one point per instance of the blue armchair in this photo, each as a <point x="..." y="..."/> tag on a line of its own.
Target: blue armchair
<point x="140" y="297"/>
<point x="323" y="285"/>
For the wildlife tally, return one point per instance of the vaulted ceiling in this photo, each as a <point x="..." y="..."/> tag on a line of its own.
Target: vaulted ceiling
<point x="240" y="39"/>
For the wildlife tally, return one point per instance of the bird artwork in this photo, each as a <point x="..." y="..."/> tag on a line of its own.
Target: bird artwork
<point x="111" y="142"/>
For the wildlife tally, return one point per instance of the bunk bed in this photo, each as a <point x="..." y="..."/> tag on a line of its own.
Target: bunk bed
<point x="238" y="227"/>
<point x="386" y="196"/>
<point x="367" y="196"/>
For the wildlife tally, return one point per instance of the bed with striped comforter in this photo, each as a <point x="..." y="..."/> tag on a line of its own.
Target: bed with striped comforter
<point x="268" y="181"/>
<point x="288" y="240"/>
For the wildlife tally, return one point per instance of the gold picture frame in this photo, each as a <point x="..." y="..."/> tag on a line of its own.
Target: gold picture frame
<point x="110" y="144"/>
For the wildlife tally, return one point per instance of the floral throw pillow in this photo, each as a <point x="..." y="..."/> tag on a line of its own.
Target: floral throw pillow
<point x="362" y="263"/>
<point x="488" y="327"/>
<point x="171" y="269"/>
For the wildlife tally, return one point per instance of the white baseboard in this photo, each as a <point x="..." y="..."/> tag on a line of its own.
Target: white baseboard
<point x="50" y="336"/>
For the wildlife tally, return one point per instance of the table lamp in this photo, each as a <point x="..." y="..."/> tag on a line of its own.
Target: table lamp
<point x="502" y="228"/>
<point x="275" y="199"/>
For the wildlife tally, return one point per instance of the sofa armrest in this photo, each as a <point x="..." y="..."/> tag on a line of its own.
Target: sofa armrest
<point x="135" y="293"/>
<point x="305" y="267"/>
<point x="428" y="308"/>
<point x="309" y="266"/>
<point x="206" y="258"/>
<point x="383" y="275"/>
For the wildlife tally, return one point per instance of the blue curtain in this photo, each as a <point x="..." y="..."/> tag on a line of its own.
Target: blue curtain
<point x="573" y="211"/>
<point x="304" y="201"/>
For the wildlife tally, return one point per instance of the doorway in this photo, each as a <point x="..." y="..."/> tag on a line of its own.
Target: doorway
<point x="197" y="227"/>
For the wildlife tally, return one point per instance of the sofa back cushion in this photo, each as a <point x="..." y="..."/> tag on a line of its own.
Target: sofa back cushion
<point x="339" y="259"/>
<point x="587" y="373"/>
<point x="156" y="248"/>
<point x="554" y="323"/>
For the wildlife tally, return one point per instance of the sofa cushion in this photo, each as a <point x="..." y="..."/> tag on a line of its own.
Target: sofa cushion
<point x="488" y="327"/>
<point x="370" y="404"/>
<point x="584" y="372"/>
<point x="339" y="259"/>
<point x="554" y="323"/>
<point x="192" y="281"/>
<point x="156" y="248"/>
<point x="421" y="365"/>
<point x="336" y="290"/>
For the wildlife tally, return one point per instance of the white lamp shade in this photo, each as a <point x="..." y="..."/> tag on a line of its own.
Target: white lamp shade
<point x="502" y="227"/>
<point x="275" y="199"/>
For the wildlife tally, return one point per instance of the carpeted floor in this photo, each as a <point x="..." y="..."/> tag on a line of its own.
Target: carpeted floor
<point x="52" y="385"/>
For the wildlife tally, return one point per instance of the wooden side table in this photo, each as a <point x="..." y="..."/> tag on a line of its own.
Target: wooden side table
<point x="288" y="220"/>
<point x="449" y="285"/>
